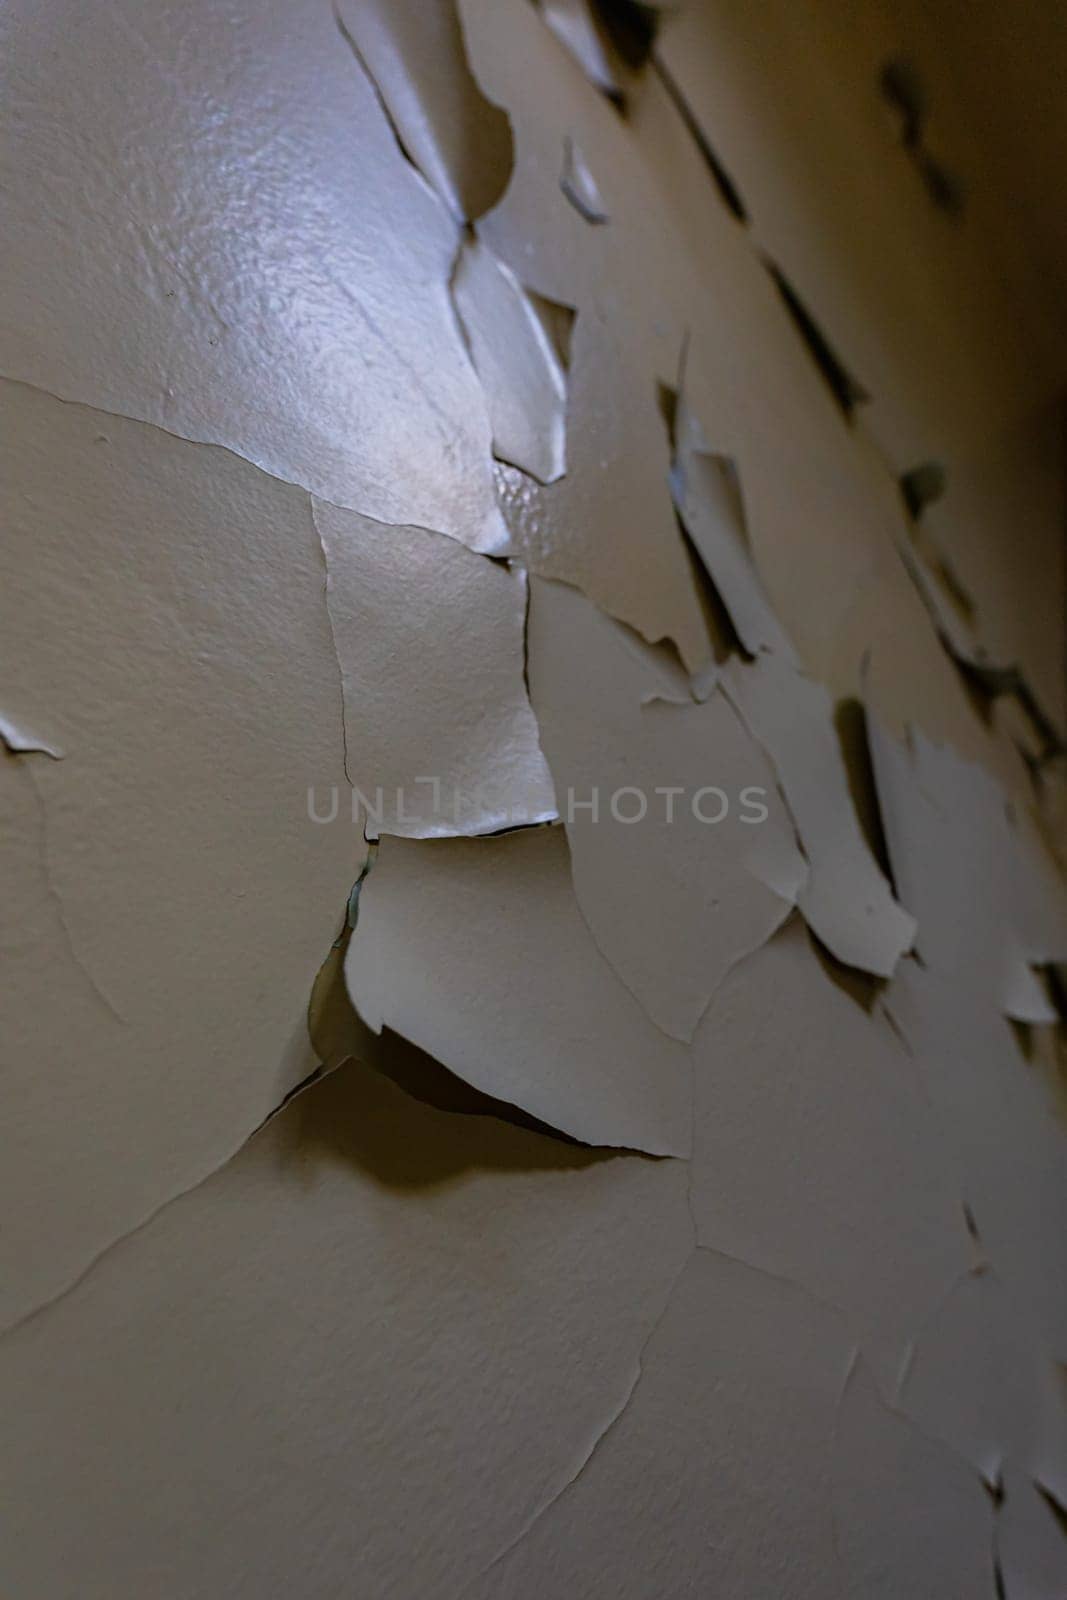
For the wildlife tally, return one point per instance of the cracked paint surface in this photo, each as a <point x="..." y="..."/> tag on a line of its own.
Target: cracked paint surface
<point x="451" y="448"/>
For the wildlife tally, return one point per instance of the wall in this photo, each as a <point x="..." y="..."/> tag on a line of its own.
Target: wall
<point x="532" y="691"/>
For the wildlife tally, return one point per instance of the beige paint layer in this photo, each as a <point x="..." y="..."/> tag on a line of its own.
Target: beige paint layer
<point x="683" y="855"/>
<point x="389" y="405"/>
<point x="264" y="269"/>
<point x="476" y="951"/>
<point x="167" y="899"/>
<point x="440" y="738"/>
<point x="363" y="1356"/>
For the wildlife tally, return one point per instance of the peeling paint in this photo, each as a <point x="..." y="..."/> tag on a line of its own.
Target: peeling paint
<point x="533" y="929"/>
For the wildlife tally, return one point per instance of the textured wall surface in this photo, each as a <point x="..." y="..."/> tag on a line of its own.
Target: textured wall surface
<point x="533" y="938"/>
